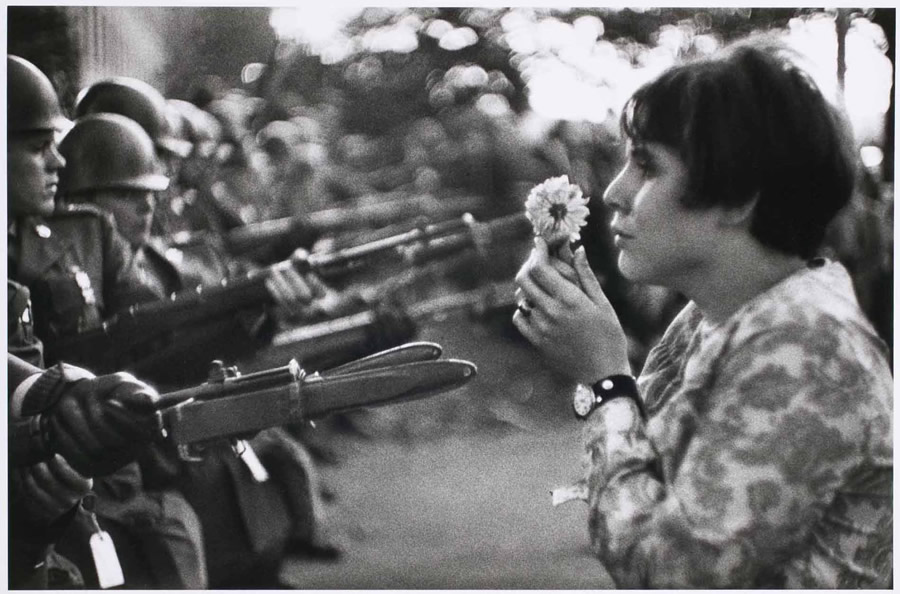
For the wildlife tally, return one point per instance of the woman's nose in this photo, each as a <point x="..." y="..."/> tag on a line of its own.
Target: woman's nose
<point x="618" y="193"/>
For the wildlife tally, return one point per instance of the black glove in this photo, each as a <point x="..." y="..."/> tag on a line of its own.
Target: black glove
<point x="99" y="424"/>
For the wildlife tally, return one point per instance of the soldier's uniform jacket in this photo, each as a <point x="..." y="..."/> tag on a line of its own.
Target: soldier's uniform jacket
<point x="22" y="341"/>
<point x="176" y="268"/>
<point x="77" y="268"/>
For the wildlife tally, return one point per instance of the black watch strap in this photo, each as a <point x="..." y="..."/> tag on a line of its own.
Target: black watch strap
<point x="619" y="386"/>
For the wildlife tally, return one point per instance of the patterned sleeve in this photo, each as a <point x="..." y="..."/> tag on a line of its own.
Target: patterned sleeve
<point x="769" y="442"/>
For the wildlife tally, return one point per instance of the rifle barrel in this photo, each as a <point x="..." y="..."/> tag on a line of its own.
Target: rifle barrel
<point x="478" y="235"/>
<point x="220" y="384"/>
<point x="363" y="213"/>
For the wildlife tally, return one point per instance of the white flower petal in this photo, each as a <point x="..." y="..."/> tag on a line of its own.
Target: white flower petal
<point x="557" y="209"/>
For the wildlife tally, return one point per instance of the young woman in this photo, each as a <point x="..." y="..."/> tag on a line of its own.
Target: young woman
<point x="755" y="448"/>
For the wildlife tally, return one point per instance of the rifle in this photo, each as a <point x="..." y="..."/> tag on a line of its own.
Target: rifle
<point x="231" y="406"/>
<point x="283" y="235"/>
<point x="144" y="322"/>
<point x="332" y="341"/>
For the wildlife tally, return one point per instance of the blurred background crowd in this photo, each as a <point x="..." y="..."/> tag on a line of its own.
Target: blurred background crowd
<point x="333" y="127"/>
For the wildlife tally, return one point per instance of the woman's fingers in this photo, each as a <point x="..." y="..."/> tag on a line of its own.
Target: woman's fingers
<point x="589" y="282"/>
<point x="535" y="295"/>
<point x="564" y="254"/>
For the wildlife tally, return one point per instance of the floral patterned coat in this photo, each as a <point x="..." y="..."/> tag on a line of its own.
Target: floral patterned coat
<point x="767" y="457"/>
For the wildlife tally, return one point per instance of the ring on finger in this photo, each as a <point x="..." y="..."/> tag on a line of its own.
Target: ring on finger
<point x="524" y="306"/>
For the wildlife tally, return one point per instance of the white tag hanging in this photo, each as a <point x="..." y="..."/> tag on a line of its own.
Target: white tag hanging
<point x="109" y="572"/>
<point x="246" y="453"/>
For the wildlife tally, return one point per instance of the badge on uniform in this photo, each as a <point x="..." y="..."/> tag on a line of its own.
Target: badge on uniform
<point x="174" y="255"/>
<point x="84" y="283"/>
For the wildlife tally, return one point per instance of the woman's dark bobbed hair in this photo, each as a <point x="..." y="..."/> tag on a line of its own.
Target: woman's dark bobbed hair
<point x="749" y="122"/>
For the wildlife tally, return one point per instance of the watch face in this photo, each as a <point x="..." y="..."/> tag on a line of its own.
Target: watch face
<point x="583" y="402"/>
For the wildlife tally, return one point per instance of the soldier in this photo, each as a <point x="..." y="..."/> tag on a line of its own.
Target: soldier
<point x="95" y="425"/>
<point x="110" y="163"/>
<point x="139" y="101"/>
<point x="230" y="201"/>
<point x="196" y="206"/>
<point x="78" y="269"/>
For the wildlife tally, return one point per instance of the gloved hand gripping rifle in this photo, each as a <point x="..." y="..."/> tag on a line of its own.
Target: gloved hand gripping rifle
<point x="230" y="406"/>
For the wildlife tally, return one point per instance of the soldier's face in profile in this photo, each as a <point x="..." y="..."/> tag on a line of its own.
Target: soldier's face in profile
<point x="132" y="211"/>
<point x="33" y="164"/>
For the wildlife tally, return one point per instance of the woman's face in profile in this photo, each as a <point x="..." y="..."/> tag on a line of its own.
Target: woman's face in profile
<point x="660" y="241"/>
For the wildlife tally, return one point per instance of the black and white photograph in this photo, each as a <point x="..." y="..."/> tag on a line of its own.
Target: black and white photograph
<point x="334" y="296"/>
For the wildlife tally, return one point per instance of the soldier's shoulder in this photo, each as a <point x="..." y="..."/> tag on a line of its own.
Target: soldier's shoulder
<point x="80" y="210"/>
<point x="81" y="215"/>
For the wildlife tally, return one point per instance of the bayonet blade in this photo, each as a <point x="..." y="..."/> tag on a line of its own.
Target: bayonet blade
<point x="239" y="414"/>
<point x="405" y="353"/>
<point x="386" y="385"/>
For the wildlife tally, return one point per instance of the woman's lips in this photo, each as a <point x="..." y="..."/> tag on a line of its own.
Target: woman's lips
<point x="620" y="237"/>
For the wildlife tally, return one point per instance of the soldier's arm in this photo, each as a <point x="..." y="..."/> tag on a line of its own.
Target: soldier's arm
<point x="42" y="494"/>
<point x="97" y="424"/>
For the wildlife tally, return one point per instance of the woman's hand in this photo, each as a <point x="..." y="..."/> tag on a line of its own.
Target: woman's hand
<point x="565" y="315"/>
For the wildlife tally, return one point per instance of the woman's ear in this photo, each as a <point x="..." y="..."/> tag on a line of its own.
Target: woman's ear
<point x="740" y="216"/>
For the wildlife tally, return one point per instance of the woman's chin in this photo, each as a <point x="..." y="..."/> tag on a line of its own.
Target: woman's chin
<point x="628" y="269"/>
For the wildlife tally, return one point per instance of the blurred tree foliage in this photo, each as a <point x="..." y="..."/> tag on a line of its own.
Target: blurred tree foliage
<point x="380" y="90"/>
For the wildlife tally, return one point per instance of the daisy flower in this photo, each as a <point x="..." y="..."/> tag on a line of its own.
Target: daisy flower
<point x="557" y="210"/>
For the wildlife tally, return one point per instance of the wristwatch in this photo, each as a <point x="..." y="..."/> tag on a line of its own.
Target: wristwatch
<point x="588" y="398"/>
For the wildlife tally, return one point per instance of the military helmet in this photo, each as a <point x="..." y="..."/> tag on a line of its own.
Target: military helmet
<point x="201" y="128"/>
<point x="31" y="103"/>
<point x="107" y="151"/>
<point x="137" y="100"/>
